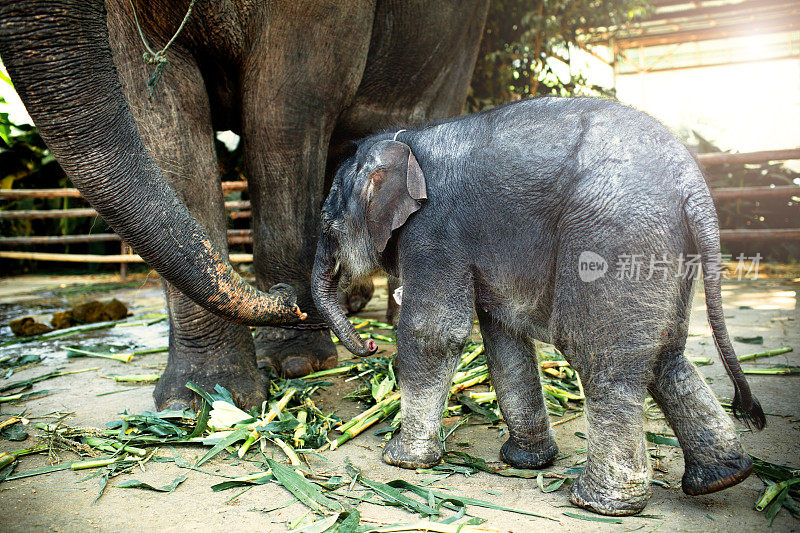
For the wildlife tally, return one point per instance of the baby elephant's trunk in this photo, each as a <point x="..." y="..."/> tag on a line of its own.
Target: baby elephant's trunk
<point x="324" y="285"/>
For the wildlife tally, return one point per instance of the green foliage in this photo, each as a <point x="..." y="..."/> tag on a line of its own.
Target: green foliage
<point x="524" y="39"/>
<point x="27" y="163"/>
<point x="23" y="158"/>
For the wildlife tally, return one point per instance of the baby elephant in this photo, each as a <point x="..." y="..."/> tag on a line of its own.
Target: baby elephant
<point x="579" y="222"/>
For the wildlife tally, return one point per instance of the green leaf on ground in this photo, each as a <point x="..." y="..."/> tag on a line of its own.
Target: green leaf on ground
<point x="302" y="489"/>
<point x="136" y="484"/>
<point x="758" y="339"/>
<point x="235" y="436"/>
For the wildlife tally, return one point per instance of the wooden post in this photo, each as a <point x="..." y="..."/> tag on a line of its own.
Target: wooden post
<point x="123" y="267"/>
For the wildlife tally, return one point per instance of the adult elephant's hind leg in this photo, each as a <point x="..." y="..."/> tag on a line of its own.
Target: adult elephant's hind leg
<point x="713" y="456"/>
<point x="515" y="377"/>
<point x="175" y="124"/>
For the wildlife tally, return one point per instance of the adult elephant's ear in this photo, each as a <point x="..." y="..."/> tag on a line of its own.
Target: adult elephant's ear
<point x="394" y="191"/>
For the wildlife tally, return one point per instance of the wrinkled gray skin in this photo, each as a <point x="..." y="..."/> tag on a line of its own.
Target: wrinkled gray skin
<point x="514" y="195"/>
<point x="296" y="79"/>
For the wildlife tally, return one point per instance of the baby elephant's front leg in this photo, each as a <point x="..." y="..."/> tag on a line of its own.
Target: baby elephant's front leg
<point x="427" y="353"/>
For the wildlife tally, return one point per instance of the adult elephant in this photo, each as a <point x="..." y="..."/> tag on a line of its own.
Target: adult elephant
<point x="297" y="79"/>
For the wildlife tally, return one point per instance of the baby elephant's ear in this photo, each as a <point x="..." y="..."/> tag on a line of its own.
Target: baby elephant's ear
<point x="394" y="191"/>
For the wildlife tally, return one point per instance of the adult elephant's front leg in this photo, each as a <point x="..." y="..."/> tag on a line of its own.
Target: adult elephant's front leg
<point x="175" y="124"/>
<point x="293" y="94"/>
<point x="286" y="189"/>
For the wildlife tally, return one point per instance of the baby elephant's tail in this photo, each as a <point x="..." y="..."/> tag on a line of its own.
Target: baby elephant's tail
<point x="702" y="220"/>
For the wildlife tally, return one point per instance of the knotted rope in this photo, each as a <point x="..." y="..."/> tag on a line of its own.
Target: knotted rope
<point x="159" y="58"/>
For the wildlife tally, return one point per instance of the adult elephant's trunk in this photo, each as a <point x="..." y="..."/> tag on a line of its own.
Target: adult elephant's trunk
<point x="59" y="58"/>
<point x="324" y="286"/>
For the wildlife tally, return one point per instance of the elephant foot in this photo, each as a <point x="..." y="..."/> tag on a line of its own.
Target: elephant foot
<point x="294" y="353"/>
<point x="705" y="478"/>
<point x="608" y="496"/>
<point x="537" y="456"/>
<point x="238" y="374"/>
<point x="357" y="295"/>
<point x="412" y="453"/>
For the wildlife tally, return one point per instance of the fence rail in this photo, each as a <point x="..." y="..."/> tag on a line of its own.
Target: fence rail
<point x="242" y="209"/>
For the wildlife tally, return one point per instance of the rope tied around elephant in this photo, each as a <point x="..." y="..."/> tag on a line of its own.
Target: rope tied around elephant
<point x="158" y="58"/>
<point x="305" y="327"/>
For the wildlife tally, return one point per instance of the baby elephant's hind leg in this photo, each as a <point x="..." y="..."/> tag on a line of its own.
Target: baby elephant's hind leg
<point x="713" y="456"/>
<point x="616" y="480"/>
<point x="515" y="377"/>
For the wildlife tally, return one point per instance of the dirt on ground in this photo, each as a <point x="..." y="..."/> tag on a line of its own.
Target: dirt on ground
<point x="61" y="501"/>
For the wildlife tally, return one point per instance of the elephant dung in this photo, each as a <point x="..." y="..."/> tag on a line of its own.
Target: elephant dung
<point x="27" y="327"/>
<point x="95" y="311"/>
<point x="62" y="320"/>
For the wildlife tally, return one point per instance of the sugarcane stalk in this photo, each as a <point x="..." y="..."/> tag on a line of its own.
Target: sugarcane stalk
<point x="354" y="430"/>
<point x="369" y="412"/>
<point x="93" y="463"/>
<point x="768" y="353"/>
<point x="331" y="371"/>
<point x="49" y="375"/>
<point x="6" y="459"/>
<point x="290" y="453"/>
<point x="251" y="438"/>
<point x="10" y="421"/>
<point x="123" y="357"/>
<point x="565" y="420"/>
<point x="300" y="431"/>
<point x="61" y="333"/>
<point x="483" y="397"/>
<point x="772" y="491"/>
<point x="28" y="451"/>
<point x="112" y="446"/>
<point x="459" y="377"/>
<point x="470" y="356"/>
<point x="562" y="393"/>
<point x="553" y="372"/>
<point x="280" y="405"/>
<point x="11" y="397"/>
<point x="479" y="378"/>
<point x="553" y="364"/>
<point x="778" y="370"/>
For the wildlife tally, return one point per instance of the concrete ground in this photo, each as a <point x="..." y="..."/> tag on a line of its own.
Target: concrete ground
<point x="60" y="502"/>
